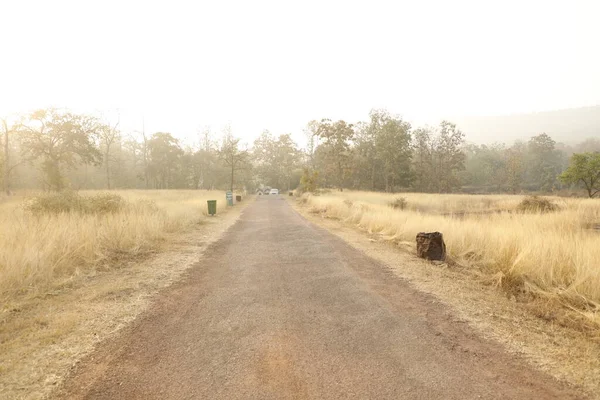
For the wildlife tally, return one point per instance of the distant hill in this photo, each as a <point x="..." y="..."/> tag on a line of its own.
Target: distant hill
<point x="568" y="126"/>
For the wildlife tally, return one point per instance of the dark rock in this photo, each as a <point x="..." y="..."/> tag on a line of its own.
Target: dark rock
<point x="431" y="246"/>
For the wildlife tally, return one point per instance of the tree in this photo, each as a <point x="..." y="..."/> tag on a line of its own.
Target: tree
<point x="544" y="161"/>
<point x="438" y="158"/>
<point x="287" y="158"/>
<point x="584" y="169"/>
<point x="312" y="141"/>
<point x="423" y="159"/>
<point x="108" y="135"/>
<point x="309" y="181"/>
<point x="449" y="156"/>
<point x="8" y="130"/>
<point x="393" y="150"/>
<point x="165" y="156"/>
<point x="264" y="156"/>
<point x="234" y="158"/>
<point x="337" y="138"/>
<point x="60" y="139"/>
<point x="515" y="167"/>
<point x="276" y="159"/>
<point x="207" y="158"/>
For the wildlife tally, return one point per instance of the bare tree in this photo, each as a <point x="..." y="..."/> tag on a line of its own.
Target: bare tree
<point x="108" y="135"/>
<point x="8" y="130"/>
<point x="231" y="154"/>
<point x="312" y="141"/>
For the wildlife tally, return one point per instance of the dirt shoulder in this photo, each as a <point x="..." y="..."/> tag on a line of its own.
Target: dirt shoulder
<point x="43" y="338"/>
<point x="564" y="353"/>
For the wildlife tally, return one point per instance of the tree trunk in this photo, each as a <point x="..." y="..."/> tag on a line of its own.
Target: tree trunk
<point x="6" y="162"/>
<point x="373" y="178"/>
<point x="106" y="154"/>
<point x="232" y="172"/>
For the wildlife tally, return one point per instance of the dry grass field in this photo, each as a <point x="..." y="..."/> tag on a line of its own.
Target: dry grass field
<point x="71" y="279"/>
<point x="44" y="249"/>
<point x="552" y="256"/>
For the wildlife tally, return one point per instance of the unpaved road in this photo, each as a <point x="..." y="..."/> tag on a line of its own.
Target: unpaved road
<point x="281" y="309"/>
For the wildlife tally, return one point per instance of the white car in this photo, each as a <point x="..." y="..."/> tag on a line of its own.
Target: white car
<point x="274" y="191"/>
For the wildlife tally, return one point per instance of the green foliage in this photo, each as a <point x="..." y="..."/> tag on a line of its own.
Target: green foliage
<point x="544" y="163"/>
<point x="584" y="169"/>
<point x="165" y="160"/>
<point x="309" y="181"/>
<point x="438" y="158"/>
<point x="536" y="204"/>
<point x="382" y="153"/>
<point x="276" y="159"/>
<point x="337" y="148"/>
<point x="392" y="148"/>
<point x="69" y="201"/>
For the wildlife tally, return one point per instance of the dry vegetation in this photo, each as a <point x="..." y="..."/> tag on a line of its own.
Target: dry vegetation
<point x="49" y="239"/>
<point x="74" y="268"/>
<point x="524" y="245"/>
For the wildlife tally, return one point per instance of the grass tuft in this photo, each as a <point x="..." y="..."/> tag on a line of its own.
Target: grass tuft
<point x="69" y="201"/>
<point x="536" y="204"/>
<point x="399" y="203"/>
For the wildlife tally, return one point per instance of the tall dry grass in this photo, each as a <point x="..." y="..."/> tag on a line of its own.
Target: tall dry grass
<point x="43" y="250"/>
<point x="550" y="254"/>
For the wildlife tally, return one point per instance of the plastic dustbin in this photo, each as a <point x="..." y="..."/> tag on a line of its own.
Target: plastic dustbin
<point x="238" y="198"/>
<point x="212" y="207"/>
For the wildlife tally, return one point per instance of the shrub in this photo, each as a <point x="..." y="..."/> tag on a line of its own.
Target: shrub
<point x="399" y="203"/>
<point x="68" y="201"/>
<point x="309" y="181"/>
<point x="536" y="204"/>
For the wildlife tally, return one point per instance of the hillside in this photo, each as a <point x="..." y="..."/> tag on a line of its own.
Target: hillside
<point x="568" y="126"/>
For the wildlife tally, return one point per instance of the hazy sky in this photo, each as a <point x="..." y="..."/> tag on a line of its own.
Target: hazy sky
<point x="278" y="64"/>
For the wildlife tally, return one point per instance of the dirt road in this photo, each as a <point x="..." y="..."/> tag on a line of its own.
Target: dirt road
<point x="281" y="309"/>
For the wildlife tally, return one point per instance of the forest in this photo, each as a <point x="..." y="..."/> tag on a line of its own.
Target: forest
<point x="55" y="149"/>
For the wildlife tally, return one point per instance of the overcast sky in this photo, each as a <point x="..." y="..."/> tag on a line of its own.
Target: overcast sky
<point x="278" y="64"/>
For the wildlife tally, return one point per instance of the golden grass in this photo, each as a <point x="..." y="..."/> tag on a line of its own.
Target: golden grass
<point x="38" y="252"/>
<point x="71" y="280"/>
<point x="554" y="255"/>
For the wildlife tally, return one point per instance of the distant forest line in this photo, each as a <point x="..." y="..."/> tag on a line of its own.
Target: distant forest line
<point x="56" y="149"/>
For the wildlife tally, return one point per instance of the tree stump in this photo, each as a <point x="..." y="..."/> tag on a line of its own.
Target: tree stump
<point x="431" y="246"/>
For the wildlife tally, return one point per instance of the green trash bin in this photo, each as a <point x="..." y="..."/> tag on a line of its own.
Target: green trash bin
<point x="212" y="207"/>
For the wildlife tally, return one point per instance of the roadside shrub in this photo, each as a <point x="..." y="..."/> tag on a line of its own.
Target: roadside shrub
<point x="309" y="182"/>
<point x="399" y="203"/>
<point x="536" y="204"/>
<point x="68" y="201"/>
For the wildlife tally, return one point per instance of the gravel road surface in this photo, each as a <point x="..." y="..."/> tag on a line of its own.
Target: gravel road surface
<point x="281" y="309"/>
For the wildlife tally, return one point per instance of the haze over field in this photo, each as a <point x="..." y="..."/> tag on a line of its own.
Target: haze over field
<point x="568" y="126"/>
<point x="269" y="65"/>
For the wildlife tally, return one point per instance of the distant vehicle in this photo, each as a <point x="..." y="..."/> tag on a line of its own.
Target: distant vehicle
<point x="274" y="191"/>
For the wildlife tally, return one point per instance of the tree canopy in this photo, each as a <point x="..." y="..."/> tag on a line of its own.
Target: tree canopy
<point x="584" y="169"/>
<point x="58" y="149"/>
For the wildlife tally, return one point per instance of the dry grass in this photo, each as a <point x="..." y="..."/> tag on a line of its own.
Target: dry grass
<point x="39" y="250"/>
<point x="552" y="256"/>
<point x="69" y="280"/>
